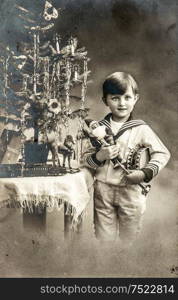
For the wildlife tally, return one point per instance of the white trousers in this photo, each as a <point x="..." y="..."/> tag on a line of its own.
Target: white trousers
<point x="118" y="211"/>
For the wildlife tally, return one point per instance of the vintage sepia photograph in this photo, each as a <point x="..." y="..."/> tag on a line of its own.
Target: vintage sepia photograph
<point x="88" y="139"/>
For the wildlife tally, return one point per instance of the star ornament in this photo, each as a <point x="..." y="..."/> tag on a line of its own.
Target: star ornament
<point x="49" y="12"/>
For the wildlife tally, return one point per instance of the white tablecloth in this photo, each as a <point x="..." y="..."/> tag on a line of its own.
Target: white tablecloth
<point x="72" y="189"/>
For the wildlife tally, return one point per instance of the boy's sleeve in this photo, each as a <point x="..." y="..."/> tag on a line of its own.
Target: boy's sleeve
<point x="88" y="158"/>
<point x="159" y="154"/>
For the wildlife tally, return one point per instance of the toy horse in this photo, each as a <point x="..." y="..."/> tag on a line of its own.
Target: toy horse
<point x="54" y="140"/>
<point x="67" y="150"/>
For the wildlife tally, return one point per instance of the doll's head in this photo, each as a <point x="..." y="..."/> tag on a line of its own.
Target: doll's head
<point x="95" y="129"/>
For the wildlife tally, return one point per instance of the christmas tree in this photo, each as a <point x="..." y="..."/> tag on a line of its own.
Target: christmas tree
<point x="40" y="80"/>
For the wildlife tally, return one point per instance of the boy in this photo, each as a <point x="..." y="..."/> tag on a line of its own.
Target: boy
<point x="119" y="202"/>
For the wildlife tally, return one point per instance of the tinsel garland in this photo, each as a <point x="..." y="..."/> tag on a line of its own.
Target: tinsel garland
<point x="46" y="72"/>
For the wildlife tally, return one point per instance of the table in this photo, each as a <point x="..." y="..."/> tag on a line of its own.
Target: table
<point x="33" y="194"/>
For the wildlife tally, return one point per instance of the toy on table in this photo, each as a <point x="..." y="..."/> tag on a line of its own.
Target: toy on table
<point x="67" y="150"/>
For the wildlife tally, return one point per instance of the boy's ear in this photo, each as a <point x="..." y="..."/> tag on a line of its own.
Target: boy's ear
<point x="137" y="97"/>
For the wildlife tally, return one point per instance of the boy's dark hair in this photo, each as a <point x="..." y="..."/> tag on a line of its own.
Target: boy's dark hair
<point x="117" y="83"/>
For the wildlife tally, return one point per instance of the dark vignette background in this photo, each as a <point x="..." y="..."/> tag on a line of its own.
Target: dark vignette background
<point x="139" y="37"/>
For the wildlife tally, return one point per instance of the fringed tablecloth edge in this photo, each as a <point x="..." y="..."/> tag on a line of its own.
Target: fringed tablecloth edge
<point x="30" y="203"/>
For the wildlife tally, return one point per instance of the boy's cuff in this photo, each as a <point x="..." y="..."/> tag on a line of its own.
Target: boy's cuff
<point x="150" y="171"/>
<point x="93" y="161"/>
<point x="148" y="174"/>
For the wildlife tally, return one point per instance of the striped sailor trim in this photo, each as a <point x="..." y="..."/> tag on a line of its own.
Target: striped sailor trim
<point x="105" y="122"/>
<point x="128" y="125"/>
<point x="132" y="124"/>
<point x="91" y="162"/>
<point x="108" y="117"/>
<point x="153" y="167"/>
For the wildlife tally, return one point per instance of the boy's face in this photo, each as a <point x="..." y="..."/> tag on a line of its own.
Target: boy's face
<point x="121" y="106"/>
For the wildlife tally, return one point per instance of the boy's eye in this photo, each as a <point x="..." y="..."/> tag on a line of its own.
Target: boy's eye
<point x="115" y="98"/>
<point x="127" y="97"/>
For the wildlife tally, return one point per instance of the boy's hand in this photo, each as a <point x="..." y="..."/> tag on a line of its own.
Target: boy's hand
<point x="108" y="152"/>
<point x="135" y="177"/>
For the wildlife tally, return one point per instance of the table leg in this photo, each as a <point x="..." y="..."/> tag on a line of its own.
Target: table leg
<point x="68" y="224"/>
<point x="36" y="219"/>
